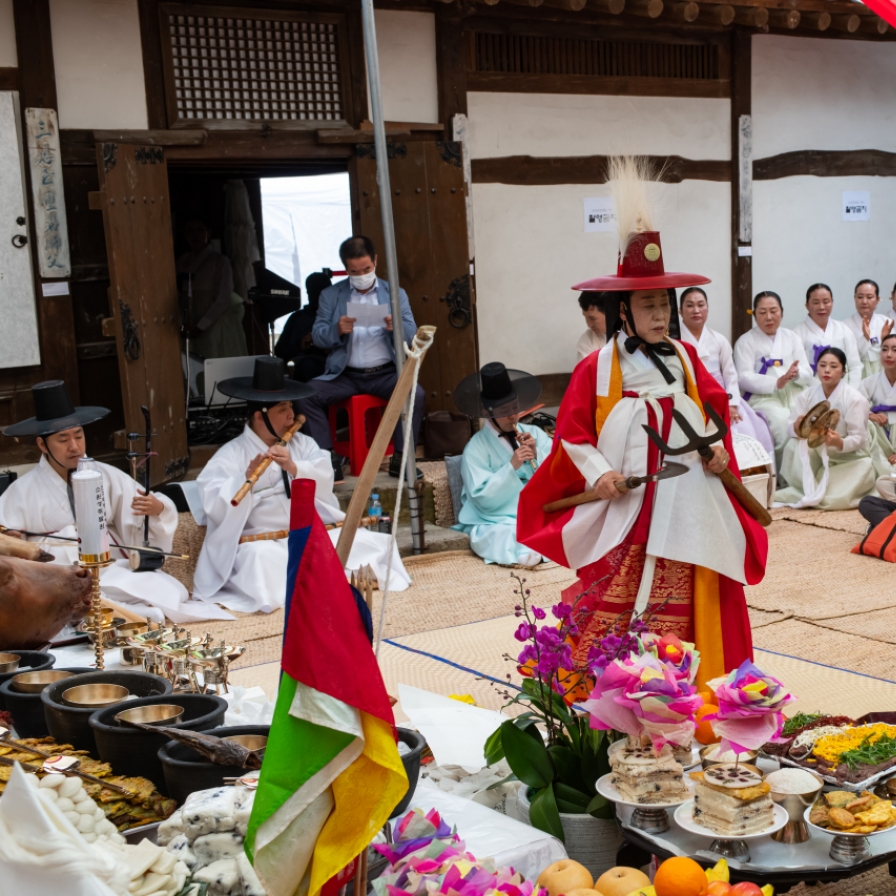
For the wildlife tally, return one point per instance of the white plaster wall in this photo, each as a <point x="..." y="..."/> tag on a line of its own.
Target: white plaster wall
<point x="799" y="239"/>
<point x="99" y="64"/>
<point x="507" y="124"/>
<point x="406" y="44"/>
<point x="8" y="58"/>
<point x="811" y="93"/>
<point x="531" y="247"/>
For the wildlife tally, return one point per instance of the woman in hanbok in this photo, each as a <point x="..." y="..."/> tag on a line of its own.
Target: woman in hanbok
<point x="820" y="331"/>
<point x="716" y="354"/>
<point x="683" y="547"/>
<point x="840" y="472"/>
<point x="867" y="326"/>
<point x="880" y="390"/>
<point x="771" y="367"/>
<point x="498" y="461"/>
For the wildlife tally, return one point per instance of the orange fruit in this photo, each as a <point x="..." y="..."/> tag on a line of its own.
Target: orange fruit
<point x="679" y="876"/>
<point x="704" y="733"/>
<point x="707" y="696"/>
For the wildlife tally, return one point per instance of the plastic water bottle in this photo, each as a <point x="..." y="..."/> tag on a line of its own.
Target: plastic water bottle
<point x="374" y="508"/>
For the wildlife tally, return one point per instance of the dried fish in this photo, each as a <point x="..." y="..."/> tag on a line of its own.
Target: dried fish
<point x="216" y="749"/>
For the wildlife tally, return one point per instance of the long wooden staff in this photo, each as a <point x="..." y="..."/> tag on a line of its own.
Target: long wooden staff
<point x="284" y="533"/>
<point x="422" y="341"/>
<point x="246" y="487"/>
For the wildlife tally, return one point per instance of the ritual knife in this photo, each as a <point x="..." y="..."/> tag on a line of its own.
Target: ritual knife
<point x="669" y="471"/>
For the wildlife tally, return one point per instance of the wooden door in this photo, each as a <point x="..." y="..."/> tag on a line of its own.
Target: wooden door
<point x="133" y="197"/>
<point x="429" y="208"/>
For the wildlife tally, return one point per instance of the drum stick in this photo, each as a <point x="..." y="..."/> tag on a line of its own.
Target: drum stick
<point x="246" y="487"/>
<point x="284" y="533"/>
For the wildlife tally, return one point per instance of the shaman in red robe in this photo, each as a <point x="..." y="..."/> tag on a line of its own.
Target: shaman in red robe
<point x="682" y="542"/>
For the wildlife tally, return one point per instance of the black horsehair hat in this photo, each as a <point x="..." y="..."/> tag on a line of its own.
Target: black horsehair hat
<point x="497" y="391"/>
<point x="268" y="384"/>
<point x="54" y="412"/>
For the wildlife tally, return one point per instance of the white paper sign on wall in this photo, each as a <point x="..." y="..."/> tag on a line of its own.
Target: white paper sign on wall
<point x="856" y="205"/>
<point x="600" y="214"/>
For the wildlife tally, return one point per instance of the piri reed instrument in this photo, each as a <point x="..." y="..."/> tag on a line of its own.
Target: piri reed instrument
<point x="246" y="487"/>
<point x="517" y="433"/>
<point x="284" y="533"/>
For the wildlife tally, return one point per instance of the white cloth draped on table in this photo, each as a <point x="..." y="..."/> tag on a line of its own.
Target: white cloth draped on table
<point x="759" y="360"/>
<point x="718" y="358"/>
<point x="39" y="502"/>
<point x="869" y="349"/>
<point x="835" y="335"/>
<point x="250" y="577"/>
<point x="825" y="477"/>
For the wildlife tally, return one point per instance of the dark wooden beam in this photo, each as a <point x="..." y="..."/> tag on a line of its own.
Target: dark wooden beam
<point x="530" y="171"/>
<point x="500" y="82"/>
<point x="179" y="137"/>
<point x="37" y="90"/>
<point x="9" y="79"/>
<point x="741" y="192"/>
<point x="451" y="65"/>
<point x="826" y="163"/>
<point x="153" y="77"/>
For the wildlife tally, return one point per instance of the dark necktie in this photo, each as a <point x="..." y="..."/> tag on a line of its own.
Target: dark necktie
<point x="654" y="350"/>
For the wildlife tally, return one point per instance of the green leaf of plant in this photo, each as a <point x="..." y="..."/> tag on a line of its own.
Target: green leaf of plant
<point x="544" y="815"/>
<point x="568" y="766"/>
<point x="571" y="795"/>
<point x="507" y="780"/>
<point x="595" y="762"/>
<point x="494" y="748"/>
<point x="601" y="807"/>
<point x="527" y="756"/>
<point x="570" y="808"/>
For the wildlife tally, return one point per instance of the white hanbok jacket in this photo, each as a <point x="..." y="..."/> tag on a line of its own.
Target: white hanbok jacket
<point x="252" y="576"/>
<point x="718" y="358"/>
<point x="755" y="347"/>
<point x="589" y="342"/>
<point x="39" y="502"/>
<point x="835" y="335"/>
<point x="869" y="349"/>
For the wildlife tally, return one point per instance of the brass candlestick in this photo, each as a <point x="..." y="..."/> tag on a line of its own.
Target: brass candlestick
<point x="96" y="607"/>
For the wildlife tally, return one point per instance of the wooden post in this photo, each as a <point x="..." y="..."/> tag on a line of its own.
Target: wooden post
<point x="751" y="16"/>
<point x="741" y="182"/>
<point x="451" y="67"/>
<point x="819" y="20"/>
<point x="785" y="18"/>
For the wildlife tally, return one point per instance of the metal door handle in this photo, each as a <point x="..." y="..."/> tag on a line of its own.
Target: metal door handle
<point x="19" y="240"/>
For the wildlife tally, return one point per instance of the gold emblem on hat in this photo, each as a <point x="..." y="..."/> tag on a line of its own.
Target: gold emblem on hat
<point x="651" y="251"/>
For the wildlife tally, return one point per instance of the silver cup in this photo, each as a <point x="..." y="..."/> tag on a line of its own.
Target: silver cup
<point x="795" y="804"/>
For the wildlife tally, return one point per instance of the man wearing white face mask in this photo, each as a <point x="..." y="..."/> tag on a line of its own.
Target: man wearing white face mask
<point x="361" y="359"/>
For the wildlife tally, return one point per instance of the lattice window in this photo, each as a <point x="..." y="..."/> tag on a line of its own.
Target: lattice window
<point x="255" y="66"/>
<point x="525" y="55"/>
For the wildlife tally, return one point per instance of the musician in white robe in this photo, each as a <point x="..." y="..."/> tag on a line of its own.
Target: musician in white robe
<point x="867" y="326"/>
<point x="41" y="502"/>
<point x="595" y="337"/>
<point x="880" y="390"/>
<point x="820" y="331"/>
<point x="840" y="472"/>
<point x="249" y="576"/>
<point x="718" y="359"/>
<point x="771" y="367"/>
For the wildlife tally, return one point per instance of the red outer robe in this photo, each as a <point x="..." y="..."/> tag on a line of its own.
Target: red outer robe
<point x="558" y="477"/>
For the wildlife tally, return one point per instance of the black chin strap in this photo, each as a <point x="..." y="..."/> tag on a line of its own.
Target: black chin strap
<point x="273" y="432"/>
<point x="653" y="350"/>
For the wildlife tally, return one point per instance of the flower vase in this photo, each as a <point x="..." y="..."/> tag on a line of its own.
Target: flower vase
<point x="592" y="842"/>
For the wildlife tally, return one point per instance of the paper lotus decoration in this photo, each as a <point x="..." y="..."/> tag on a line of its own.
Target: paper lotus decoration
<point x="751" y="707"/>
<point x="429" y="858"/>
<point x="644" y="695"/>
<point x="682" y="656"/>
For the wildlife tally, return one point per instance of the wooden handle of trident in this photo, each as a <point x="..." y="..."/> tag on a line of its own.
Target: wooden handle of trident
<point x="622" y="485"/>
<point x="756" y="510"/>
<point x="246" y="487"/>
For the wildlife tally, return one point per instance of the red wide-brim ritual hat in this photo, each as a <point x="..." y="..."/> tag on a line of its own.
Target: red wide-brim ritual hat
<point x="641" y="267"/>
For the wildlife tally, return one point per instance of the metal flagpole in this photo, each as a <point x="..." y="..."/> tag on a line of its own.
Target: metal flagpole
<point x="382" y="177"/>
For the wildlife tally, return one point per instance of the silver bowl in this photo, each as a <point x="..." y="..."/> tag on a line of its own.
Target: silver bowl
<point x="35" y="682"/>
<point x="154" y="714"/>
<point x="95" y="695"/>
<point x="796" y="804"/>
<point x="254" y="742"/>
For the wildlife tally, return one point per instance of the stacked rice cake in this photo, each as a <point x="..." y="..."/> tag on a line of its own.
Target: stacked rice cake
<point x="732" y="800"/>
<point x="645" y="777"/>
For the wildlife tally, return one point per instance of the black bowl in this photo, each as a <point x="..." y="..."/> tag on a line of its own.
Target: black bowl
<point x="27" y="710"/>
<point x="187" y="771"/>
<point x="135" y="752"/>
<point x="70" y="724"/>
<point x="29" y="660"/>
<point x="411" y="762"/>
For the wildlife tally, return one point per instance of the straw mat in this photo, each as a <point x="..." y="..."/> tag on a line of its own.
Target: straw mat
<point x="839" y="520"/>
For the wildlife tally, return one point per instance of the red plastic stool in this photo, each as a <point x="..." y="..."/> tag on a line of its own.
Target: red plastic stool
<point x="364" y="415"/>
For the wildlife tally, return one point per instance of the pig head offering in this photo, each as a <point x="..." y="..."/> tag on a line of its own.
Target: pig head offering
<point x="38" y="599"/>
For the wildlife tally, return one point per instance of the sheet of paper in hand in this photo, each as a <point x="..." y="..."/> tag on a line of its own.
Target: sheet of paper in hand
<point x="367" y="315"/>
